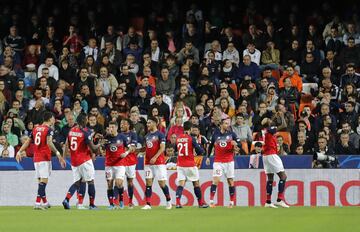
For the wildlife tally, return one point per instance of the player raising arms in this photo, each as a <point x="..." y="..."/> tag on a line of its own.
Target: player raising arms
<point x="186" y="168"/>
<point x="130" y="160"/>
<point x="224" y="142"/>
<point x="78" y="141"/>
<point x="41" y="136"/>
<point x="155" y="162"/>
<point x="116" y="152"/>
<point x="273" y="164"/>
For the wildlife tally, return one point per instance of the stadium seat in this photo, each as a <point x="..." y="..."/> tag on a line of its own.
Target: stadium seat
<point x="308" y="86"/>
<point x="286" y="136"/>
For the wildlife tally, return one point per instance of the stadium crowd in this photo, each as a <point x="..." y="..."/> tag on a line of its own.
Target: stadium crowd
<point x="196" y="62"/>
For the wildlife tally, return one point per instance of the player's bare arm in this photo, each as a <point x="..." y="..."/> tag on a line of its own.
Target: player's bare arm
<point x="55" y="150"/>
<point x="20" y="153"/>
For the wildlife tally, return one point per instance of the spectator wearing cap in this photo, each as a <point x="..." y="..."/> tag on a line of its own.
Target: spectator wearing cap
<point x="270" y="56"/>
<point x="247" y="67"/>
<point x="255" y="54"/>
<point x="270" y="98"/>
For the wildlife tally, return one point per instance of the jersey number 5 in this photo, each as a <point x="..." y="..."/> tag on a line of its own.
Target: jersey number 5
<point x="73" y="143"/>
<point x="183" y="149"/>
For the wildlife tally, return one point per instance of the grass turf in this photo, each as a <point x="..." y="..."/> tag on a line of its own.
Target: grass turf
<point x="304" y="219"/>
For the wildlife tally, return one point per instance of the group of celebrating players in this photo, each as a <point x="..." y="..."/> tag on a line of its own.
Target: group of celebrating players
<point x="121" y="158"/>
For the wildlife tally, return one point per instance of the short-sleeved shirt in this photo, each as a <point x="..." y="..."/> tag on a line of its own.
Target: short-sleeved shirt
<point x="131" y="140"/>
<point x="224" y="150"/>
<point x="185" y="145"/>
<point x="42" y="151"/>
<point x="114" y="148"/>
<point x="78" y="140"/>
<point x="153" y="141"/>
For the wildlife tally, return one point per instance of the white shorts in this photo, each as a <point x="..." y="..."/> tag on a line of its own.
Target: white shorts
<point x="85" y="171"/>
<point x="156" y="171"/>
<point x="42" y="169"/>
<point x="187" y="173"/>
<point x="115" y="172"/>
<point x="130" y="171"/>
<point x="227" y="169"/>
<point x="272" y="164"/>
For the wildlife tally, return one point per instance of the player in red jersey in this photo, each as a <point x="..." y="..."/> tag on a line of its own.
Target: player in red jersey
<point x="273" y="164"/>
<point x="116" y="153"/>
<point x="186" y="168"/>
<point x="155" y="162"/>
<point x="225" y="143"/>
<point x="41" y="136"/>
<point x="78" y="144"/>
<point x="130" y="160"/>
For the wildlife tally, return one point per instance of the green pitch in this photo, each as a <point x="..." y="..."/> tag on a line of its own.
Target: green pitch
<point x="243" y="219"/>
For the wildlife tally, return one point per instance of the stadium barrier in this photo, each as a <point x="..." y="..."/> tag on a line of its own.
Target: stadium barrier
<point x="305" y="187"/>
<point x="241" y="162"/>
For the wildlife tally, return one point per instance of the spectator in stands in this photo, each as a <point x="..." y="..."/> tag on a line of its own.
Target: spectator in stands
<point x="282" y="118"/>
<point x="112" y="37"/>
<point x="91" y="49"/>
<point x="247" y="67"/>
<point x="132" y="36"/>
<point x="231" y="54"/>
<point x="350" y="76"/>
<point x="14" y="40"/>
<point x="324" y="156"/>
<point x="107" y="81"/>
<point x="349" y="115"/>
<point x="255" y="54"/>
<point x="114" y="55"/>
<point x="138" y="126"/>
<point x="94" y="125"/>
<point x="294" y="78"/>
<point x="165" y="84"/>
<point x="345" y="147"/>
<point x="242" y="130"/>
<point x="351" y="33"/>
<point x="292" y="55"/>
<point x="176" y="129"/>
<point x="309" y="69"/>
<point x="270" y="56"/>
<point x="164" y="109"/>
<point x="188" y="50"/>
<point x="6" y="150"/>
<point x="142" y="101"/>
<point x="69" y="57"/>
<point x="334" y="41"/>
<point x="49" y="63"/>
<point x="301" y="140"/>
<point x="350" y="53"/>
<point x="253" y="36"/>
<point x="289" y="93"/>
<point x="283" y="148"/>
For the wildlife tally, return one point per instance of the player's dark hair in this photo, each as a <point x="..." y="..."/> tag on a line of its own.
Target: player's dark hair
<point x="187" y="125"/>
<point x="113" y="123"/>
<point x="129" y="122"/>
<point x="154" y="119"/>
<point x="81" y="119"/>
<point x="47" y="116"/>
